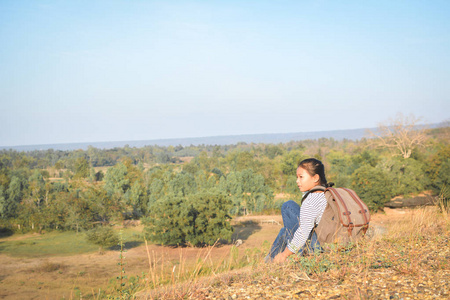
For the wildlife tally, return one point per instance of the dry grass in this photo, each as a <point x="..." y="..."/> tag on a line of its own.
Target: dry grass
<point x="409" y="260"/>
<point x="405" y="255"/>
<point x="93" y="276"/>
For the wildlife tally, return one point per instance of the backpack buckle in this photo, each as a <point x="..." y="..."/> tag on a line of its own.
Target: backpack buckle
<point x="350" y="228"/>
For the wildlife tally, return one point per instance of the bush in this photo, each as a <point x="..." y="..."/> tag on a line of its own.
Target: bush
<point x="198" y="219"/>
<point x="372" y="185"/>
<point x="167" y="217"/>
<point x="441" y="185"/>
<point x="407" y="176"/>
<point x="209" y="218"/>
<point x="5" y="231"/>
<point x="103" y="236"/>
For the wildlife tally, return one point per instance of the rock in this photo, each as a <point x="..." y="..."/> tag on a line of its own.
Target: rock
<point x="410" y="202"/>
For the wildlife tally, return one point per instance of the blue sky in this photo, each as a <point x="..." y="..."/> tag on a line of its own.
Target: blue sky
<point x="89" y="71"/>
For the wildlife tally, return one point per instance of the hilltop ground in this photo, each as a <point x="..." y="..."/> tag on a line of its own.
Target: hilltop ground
<point x="407" y="256"/>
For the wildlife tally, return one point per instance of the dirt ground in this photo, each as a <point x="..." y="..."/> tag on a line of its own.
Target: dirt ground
<point x="65" y="277"/>
<point x="83" y="275"/>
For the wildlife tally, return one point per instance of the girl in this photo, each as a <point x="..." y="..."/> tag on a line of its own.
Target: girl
<point x="297" y="235"/>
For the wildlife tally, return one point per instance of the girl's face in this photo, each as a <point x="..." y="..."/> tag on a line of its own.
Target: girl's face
<point x="305" y="181"/>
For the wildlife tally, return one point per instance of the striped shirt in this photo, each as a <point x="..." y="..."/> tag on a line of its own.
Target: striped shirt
<point x="311" y="212"/>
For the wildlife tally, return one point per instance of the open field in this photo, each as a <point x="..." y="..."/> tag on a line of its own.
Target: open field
<point x="65" y="266"/>
<point x="73" y="271"/>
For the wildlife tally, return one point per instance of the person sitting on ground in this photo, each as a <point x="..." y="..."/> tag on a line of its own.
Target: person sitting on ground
<point x="297" y="235"/>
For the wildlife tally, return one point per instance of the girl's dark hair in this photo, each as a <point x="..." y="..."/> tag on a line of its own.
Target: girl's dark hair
<point x="314" y="166"/>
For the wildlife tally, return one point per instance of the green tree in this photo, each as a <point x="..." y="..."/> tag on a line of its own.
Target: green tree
<point x="436" y="168"/>
<point x="372" y="185"/>
<point x="292" y="187"/>
<point x="103" y="236"/>
<point x="442" y="182"/>
<point x="116" y="181"/>
<point x="198" y="219"/>
<point x="37" y="187"/>
<point x="407" y="175"/>
<point x="167" y="221"/>
<point x="290" y="162"/>
<point x="4" y="205"/>
<point x="273" y="151"/>
<point x="135" y="197"/>
<point x="248" y="191"/>
<point x="341" y="168"/>
<point x="182" y="184"/>
<point x="155" y="192"/>
<point x="208" y="218"/>
<point x="11" y="198"/>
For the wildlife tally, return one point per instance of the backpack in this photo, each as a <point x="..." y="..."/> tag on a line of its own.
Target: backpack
<point x="345" y="218"/>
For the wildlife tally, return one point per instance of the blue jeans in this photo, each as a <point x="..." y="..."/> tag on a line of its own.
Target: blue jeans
<point x="290" y="211"/>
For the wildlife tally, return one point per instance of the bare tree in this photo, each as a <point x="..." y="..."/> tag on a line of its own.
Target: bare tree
<point x="401" y="135"/>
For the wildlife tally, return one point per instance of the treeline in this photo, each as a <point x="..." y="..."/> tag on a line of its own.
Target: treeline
<point x="187" y="194"/>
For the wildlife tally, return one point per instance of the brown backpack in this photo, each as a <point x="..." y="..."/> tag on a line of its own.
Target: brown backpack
<point x="345" y="219"/>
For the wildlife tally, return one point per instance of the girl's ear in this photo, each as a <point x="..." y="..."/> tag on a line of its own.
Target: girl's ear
<point x="316" y="178"/>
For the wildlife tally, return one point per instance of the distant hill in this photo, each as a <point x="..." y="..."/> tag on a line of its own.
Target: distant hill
<point x="268" y="138"/>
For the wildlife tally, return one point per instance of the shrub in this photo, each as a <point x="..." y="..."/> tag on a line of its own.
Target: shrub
<point x="209" y="218"/>
<point x="103" y="236"/>
<point x="167" y="217"/>
<point x="442" y="183"/>
<point x="407" y="175"/>
<point x="372" y="185"/>
<point x="198" y="219"/>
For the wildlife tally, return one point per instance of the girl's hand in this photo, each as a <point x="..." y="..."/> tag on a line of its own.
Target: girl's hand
<point x="281" y="257"/>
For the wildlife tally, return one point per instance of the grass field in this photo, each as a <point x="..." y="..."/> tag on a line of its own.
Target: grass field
<point x="58" y="244"/>
<point x="63" y="266"/>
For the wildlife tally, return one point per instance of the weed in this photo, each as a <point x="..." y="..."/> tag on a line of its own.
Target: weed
<point x="443" y="201"/>
<point x="314" y="264"/>
<point x="126" y="287"/>
<point x="49" y="267"/>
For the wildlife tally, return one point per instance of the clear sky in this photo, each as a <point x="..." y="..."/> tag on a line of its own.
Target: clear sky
<point x="91" y="71"/>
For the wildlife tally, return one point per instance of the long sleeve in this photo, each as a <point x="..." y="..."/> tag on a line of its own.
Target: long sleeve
<point x="311" y="212"/>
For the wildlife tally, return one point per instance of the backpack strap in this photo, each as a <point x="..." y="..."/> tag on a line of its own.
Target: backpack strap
<point x="314" y="189"/>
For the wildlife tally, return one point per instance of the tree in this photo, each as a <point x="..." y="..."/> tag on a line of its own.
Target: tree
<point x="273" y="151"/>
<point x="37" y="187"/>
<point x="437" y="169"/>
<point x="372" y="185"/>
<point x="116" y="180"/>
<point x="197" y="219"/>
<point x="400" y="135"/>
<point x="135" y="198"/>
<point x="103" y="236"/>
<point x="292" y="187"/>
<point x="247" y="190"/>
<point x="4" y="209"/>
<point x="208" y="218"/>
<point x="12" y="198"/>
<point x="167" y="221"/>
<point x="407" y="176"/>
<point x="290" y="162"/>
<point x="182" y="184"/>
<point x="341" y="168"/>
